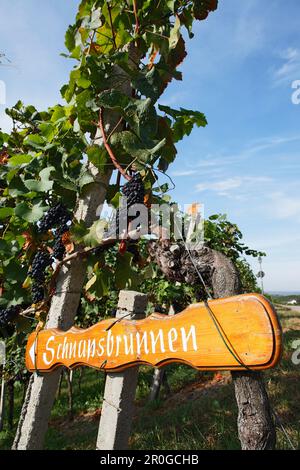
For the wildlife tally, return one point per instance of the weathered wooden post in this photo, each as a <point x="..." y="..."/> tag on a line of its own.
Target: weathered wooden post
<point x="118" y="402"/>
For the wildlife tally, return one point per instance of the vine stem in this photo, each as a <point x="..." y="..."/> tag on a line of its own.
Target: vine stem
<point x="114" y="129"/>
<point x="112" y="26"/>
<point x="137" y="24"/>
<point x="108" y="148"/>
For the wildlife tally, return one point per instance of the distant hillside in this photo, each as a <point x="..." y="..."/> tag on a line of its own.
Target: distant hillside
<point x="283" y="292"/>
<point x="284" y="298"/>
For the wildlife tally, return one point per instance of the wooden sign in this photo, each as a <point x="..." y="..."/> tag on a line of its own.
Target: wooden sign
<point x="235" y="333"/>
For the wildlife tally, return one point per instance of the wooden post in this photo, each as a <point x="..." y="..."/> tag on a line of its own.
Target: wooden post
<point x="118" y="402"/>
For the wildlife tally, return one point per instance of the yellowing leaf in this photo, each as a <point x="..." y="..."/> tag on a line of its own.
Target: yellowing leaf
<point x="175" y="34"/>
<point x="90" y="283"/>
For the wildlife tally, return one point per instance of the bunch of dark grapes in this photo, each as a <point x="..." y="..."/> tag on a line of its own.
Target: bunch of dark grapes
<point x="59" y="248"/>
<point x="41" y="262"/>
<point x="8" y="315"/>
<point x="57" y="216"/>
<point x="37" y="293"/>
<point x="134" y="191"/>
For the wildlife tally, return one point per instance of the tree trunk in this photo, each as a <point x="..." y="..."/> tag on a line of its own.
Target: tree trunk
<point x="256" y="427"/>
<point x="255" y="423"/>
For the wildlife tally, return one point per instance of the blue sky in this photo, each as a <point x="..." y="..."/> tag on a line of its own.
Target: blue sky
<point x="239" y="72"/>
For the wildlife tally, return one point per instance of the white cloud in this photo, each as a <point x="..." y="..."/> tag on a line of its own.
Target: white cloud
<point x="270" y="143"/>
<point x="279" y="239"/>
<point x="183" y="173"/>
<point x="220" y="186"/>
<point x="226" y="186"/>
<point x="284" y="206"/>
<point x="290" y="69"/>
<point x="216" y="164"/>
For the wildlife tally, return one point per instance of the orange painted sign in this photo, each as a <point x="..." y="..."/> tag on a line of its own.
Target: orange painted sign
<point x="235" y="333"/>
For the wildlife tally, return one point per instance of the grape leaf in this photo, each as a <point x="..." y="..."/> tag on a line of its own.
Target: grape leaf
<point x="30" y="213"/>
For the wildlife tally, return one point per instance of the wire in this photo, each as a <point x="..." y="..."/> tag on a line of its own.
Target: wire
<point x="195" y="265"/>
<point x="224" y="337"/>
<point x="118" y="321"/>
<point x="222" y="334"/>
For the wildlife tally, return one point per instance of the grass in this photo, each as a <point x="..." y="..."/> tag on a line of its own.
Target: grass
<point x="198" y="413"/>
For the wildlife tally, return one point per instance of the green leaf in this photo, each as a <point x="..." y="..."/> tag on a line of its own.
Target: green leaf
<point x="100" y="283"/>
<point x="184" y="121"/>
<point x="115" y="201"/>
<point x="47" y="130"/>
<point x="35" y="141"/>
<point x="171" y="5"/>
<point x="98" y="156"/>
<point x="44" y="185"/>
<point x="58" y="113"/>
<point x="6" y="212"/>
<point x="83" y="82"/>
<point x="113" y="99"/>
<point x="148" y="83"/>
<point x="95" y="233"/>
<point x="79" y="231"/>
<point x="16" y="187"/>
<point x="19" y="159"/>
<point x="70" y="38"/>
<point x="85" y="113"/>
<point x="76" y="53"/>
<point x="126" y="277"/>
<point x="85" y="178"/>
<point x="135" y="147"/>
<point x="30" y="213"/>
<point x="139" y="113"/>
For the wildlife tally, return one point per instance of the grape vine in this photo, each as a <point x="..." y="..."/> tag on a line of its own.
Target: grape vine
<point x="52" y="156"/>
